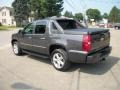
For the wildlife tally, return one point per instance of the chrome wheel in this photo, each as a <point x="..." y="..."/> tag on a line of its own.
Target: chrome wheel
<point x="15" y="48"/>
<point x="58" y="60"/>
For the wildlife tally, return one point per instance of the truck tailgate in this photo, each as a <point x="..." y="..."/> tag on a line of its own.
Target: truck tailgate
<point x="100" y="40"/>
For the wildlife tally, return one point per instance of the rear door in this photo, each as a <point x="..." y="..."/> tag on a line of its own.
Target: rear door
<point x="26" y="38"/>
<point x="40" y="37"/>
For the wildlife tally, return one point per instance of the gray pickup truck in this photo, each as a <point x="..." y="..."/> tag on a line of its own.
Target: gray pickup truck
<point x="62" y="40"/>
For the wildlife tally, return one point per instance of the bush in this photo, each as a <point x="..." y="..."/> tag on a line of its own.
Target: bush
<point x="0" y="24"/>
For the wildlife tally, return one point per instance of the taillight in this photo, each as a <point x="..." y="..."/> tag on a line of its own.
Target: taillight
<point x="86" y="43"/>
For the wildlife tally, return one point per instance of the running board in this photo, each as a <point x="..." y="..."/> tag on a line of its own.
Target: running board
<point x="35" y="54"/>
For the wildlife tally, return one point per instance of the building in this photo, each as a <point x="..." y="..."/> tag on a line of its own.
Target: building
<point x="7" y="16"/>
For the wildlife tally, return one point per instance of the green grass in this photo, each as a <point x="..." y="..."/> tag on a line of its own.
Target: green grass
<point x="6" y="27"/>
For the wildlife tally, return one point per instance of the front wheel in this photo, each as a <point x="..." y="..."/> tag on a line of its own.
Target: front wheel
<point x="16" y="49"/>
<point x="59" y="59"/>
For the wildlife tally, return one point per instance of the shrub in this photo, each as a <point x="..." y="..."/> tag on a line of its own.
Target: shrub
<point x="0" y="24"/>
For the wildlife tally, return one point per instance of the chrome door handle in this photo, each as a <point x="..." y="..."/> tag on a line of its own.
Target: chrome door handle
<point x="42" y="38"/>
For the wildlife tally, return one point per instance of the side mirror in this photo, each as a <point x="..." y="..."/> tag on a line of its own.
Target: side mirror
<point x="20" y="31"/>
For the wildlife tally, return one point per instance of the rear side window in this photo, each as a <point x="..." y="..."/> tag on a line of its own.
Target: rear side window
<point x="69" y="24"/>
<point x="54" y="28"/>
<point x="40" y="28"/>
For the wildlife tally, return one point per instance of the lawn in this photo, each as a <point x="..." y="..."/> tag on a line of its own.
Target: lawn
<point x="7" y="27"/>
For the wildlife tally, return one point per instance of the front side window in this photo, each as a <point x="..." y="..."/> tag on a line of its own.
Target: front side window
<point x="29" y="29"/>
<point x="40" y="28"/>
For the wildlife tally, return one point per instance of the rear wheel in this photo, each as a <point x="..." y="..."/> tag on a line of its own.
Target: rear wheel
<point x="16" y="49"/>
<point x="59" y="59"/>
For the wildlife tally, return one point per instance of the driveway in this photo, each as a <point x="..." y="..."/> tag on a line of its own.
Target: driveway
<point x="33" y="73"/>
<point x="5" y="36"/>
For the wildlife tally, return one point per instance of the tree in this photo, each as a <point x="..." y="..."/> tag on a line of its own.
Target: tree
<point x="21" y="11"/>
<point x="53" y="7"/>
<point x="119" y="16"/>
<point x="68" y="14"/>
<point x="114" y="15"/>
<point x="105" y="15"/>
<point x="0" y="24"/>
<point x="93" y="14"/>
<point x="36" y="6"/>
<point x="46" y="8"/>
<point x="78" y="16"/>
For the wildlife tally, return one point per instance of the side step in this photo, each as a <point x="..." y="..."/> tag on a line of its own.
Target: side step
<point x="35" y="54"/>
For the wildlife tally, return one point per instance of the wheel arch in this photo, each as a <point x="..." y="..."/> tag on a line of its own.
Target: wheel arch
<point x="14" y="40"/>
<point x="56" y="46"/>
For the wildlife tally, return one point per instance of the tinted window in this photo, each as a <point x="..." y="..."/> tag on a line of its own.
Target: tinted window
<point x="69" y="24"/>
<point x="40" y="29"/>
<point x="29" y="29"/>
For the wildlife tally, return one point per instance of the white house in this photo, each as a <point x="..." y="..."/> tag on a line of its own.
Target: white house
<point x="7" y="16"/>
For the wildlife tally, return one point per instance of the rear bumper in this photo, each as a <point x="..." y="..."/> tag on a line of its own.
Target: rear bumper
<point x="83" y="57"/>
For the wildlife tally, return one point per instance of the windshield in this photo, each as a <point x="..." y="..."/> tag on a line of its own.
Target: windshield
<point x="69" y="24"/>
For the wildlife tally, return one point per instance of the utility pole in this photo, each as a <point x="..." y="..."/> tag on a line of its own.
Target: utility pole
<point x="84" y="12"/>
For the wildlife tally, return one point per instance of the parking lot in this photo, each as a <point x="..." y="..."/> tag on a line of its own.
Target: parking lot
<point x="33" y="73"/>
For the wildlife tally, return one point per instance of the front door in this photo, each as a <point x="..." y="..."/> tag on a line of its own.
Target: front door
<point x="26" y="37"/>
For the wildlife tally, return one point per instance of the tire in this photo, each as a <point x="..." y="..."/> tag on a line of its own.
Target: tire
<point x="16" y="49"/>
<point x="116" y="28"/>
<point x="59" y="59"/>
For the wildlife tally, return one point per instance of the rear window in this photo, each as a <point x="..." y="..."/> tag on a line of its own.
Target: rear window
<point x="69" y="24"/>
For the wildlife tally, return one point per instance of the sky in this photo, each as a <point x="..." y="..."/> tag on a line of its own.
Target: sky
<point x="76" y="6"/>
